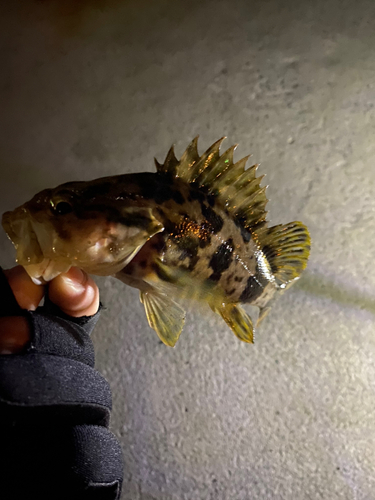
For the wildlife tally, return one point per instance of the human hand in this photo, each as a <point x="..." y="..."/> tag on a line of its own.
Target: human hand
<point x="54" y="406"/>
<point x="75" y="293"/>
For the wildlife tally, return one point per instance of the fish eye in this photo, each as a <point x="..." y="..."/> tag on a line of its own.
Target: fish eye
<point x="61" y="208"/>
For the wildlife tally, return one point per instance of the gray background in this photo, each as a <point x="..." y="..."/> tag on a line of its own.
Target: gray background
<point x="99" y="88"/>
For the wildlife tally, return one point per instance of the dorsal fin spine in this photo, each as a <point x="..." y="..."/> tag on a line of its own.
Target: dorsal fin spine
<point x="170" y="162"/>
<point x="236" y="189"/>
<point x="188" y="159"/>
<point x="247" y="176"/>
<point x="253" y="199"/>
<point x="209" y="176"/>
<point x="210" y="156"/>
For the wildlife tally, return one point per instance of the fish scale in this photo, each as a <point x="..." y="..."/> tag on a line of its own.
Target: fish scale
<point x="183" y="248"/>
<point x="195" y="229"/>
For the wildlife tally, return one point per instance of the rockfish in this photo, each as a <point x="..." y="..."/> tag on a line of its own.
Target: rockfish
<point x="194" y="229"/>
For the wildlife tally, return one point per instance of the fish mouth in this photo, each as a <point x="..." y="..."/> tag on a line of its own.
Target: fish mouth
<point x="46" y="270"/>
<point x="45" y="255"/>
<point x="17" y="225"/>
<point x="7" y="226"/>
<point x="19" y="228"/>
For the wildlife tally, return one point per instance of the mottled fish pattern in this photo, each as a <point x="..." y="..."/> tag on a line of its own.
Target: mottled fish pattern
<point x="195" y="229"/>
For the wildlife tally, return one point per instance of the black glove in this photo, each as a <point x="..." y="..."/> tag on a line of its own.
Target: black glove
<point x="54" y="412"/>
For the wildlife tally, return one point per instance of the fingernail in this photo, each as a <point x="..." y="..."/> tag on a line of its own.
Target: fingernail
<point x="75" y="278"/>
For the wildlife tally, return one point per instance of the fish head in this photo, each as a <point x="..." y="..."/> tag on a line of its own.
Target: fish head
<point x="63" y="227"/>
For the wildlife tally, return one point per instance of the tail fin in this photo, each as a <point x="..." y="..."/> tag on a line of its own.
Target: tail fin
<point x="287" y="248"/>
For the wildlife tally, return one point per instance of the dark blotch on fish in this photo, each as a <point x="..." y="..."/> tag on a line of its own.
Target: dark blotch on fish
<point x="166" y="193"/>
<point x="161" y="191"/>
<point x="162" y="194"/>
<point x="252" y="290"/>
<point x="148" y="189"/>
<point x="195" y="194"/>
<point x="211" y="199"/>
<point x="245" y="233"/>
<point x="221" y="259"/>
<point x="193" y="262"/>
<point x="158" y="243"/>
<point x="177" y="197"/>
<point x="216" y="222"/>
<point x="188" y="246"/>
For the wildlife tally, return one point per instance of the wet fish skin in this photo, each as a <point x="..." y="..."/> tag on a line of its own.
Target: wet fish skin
<point x="195" y="229"/>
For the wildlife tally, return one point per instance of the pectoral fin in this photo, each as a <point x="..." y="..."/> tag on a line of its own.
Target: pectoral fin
<point x="165" y="316"/>
<point x="238" y="320"/>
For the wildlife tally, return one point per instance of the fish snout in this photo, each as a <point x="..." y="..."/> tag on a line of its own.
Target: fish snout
<point x="17" y="225"/>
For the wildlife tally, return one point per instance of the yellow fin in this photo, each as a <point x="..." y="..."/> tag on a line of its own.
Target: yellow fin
<point x="165" y="316"/>
<point x="170" y="163"/>
<point x="192" y="165"/>
<point x="238" y="190"/>
<point x="287" y="249"/>
<point x="238" y="320"/>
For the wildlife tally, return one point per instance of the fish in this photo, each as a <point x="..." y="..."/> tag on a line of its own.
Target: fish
<point x="195" y="229"/>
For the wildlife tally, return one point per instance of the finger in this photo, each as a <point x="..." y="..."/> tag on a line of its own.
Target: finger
<point x="14" y="334"/>
<point x="75" y="293"/>
<point x="15" y="331"/>
<point x="27" y="294"/>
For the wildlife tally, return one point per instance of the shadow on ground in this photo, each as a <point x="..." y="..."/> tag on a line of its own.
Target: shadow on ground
<point x="321" y="286"/>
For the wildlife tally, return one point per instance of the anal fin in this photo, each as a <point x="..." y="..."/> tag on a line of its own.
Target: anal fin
<point x="238" y="321"/>
<point x="164" y="315"/>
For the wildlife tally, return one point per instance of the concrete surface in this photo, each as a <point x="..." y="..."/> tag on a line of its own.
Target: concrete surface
<point x="99" y="88"/>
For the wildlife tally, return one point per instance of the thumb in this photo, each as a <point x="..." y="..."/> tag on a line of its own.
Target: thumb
<point x="75" y="293"/>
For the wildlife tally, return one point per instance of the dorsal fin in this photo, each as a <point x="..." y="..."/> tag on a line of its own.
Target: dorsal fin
<point x="287" y="249"/>
<point x="170" y="163"/>
<point x="238" y="190"/>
